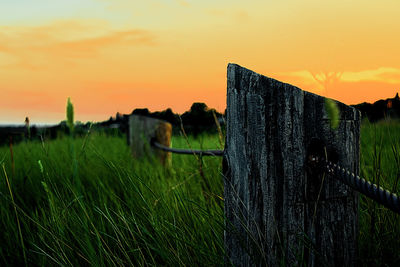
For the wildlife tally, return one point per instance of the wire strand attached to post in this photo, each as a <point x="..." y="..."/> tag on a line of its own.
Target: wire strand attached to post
<point x="377" y="193"/>
<point x="157" y="145"/>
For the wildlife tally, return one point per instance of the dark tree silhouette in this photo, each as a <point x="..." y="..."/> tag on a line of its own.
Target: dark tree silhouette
<point x="389" y="108"/>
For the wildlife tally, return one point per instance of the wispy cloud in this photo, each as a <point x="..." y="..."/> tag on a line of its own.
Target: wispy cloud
<point x="349" y="86"/>
<point x="183" y="3"/>
<point x="65" y="40"/>
<point x="88" y="47"/>
<point x="237" y="15"/>
<point x="387" y="75"/>
<point x="241" y="16"/>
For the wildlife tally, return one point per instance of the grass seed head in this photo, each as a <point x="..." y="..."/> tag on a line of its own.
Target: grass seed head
<point x="333" y="112"/>
<point x="40" y="166"/>
<point x="70" y="115"/>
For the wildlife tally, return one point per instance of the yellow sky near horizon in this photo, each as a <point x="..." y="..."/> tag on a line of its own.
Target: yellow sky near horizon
<point x="114" y="56"/>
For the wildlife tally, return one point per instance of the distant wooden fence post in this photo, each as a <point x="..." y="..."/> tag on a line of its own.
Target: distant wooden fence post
<point x="142" y="130"/>
<point x="278" y="210"/>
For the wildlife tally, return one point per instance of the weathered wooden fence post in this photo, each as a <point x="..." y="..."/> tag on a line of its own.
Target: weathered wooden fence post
<point x="142" y="130"/>
<point x="279" y="211"/>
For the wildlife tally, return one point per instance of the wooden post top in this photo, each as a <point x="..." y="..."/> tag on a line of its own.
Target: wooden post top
<point x="142" y="130"/>
<point x="278" y="212"/>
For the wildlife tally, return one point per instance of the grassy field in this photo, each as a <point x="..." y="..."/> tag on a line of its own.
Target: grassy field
<point x="81" y="202"/>
<point x="87" y="202"/>
<point x="379" y="242"/>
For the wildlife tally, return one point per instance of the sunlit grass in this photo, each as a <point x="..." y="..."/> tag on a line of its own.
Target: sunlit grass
<point x="380" y="163"/>
<point x="115" y="211"/>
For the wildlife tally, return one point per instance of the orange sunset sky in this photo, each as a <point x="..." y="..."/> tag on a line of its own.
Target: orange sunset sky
<point x="118" y="55"/>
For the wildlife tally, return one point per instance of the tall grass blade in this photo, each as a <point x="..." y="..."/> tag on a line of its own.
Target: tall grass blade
<point x="16" y="215"/>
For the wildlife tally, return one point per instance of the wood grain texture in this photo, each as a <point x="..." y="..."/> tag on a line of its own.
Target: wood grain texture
<point x="278" y="210"/>
<point x="141" y="130"/>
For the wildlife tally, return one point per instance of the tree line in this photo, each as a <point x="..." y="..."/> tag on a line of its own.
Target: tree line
<point x="199" y="119"/>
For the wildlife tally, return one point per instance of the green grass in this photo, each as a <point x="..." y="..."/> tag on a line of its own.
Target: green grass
<point x="110" y="209"/>
<point x="379" y="241"/>
<point x="86" y="201"/>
